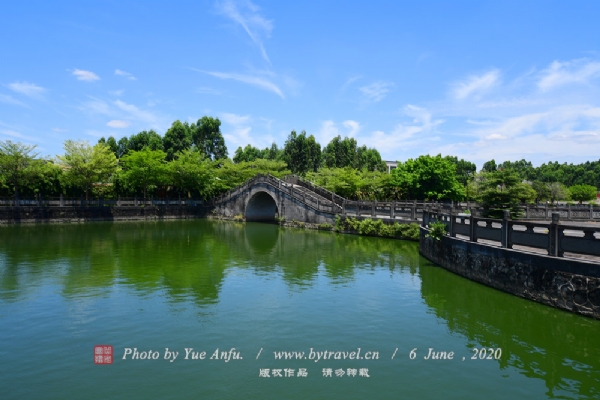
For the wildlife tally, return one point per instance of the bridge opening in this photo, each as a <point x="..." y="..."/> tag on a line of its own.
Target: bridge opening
<point x="261" y="208"/>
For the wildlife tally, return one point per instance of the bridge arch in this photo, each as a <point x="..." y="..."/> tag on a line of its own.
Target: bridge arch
<point x="261" y="207"/>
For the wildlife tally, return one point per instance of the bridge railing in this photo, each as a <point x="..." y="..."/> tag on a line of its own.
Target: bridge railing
<point x="555" y="237"/>
<point x="321" y="191"/>
<point x="331" y="202"/>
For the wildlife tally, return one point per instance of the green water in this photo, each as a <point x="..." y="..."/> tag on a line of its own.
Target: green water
<point x="217" y="285"/>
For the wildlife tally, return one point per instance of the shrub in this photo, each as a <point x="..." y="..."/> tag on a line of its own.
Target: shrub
<point x="238" y="218"/>
<point x="437" y="230"/>
<point x="325" y="226"/>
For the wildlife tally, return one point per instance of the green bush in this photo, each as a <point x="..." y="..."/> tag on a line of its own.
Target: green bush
<point x="376" y="227"/>
<point x="325" y="226"/>
<point x="238" y="218"/>
<point x="437" y="230"/>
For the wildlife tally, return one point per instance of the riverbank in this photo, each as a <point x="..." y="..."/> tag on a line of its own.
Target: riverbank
<point x="58" y="215"/>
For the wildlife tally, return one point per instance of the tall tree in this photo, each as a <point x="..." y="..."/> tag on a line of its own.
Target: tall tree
<point x="177" y="139"/>
<point x="85" y="165"/>
<point x="149" y="139"/>
<point x="502" y="190"/>
<point x="16" y="160"/>
<point x="206" y="135"/>
<point x="429" y="178"/>
<point x="582" y="193"/>
<point x="302" y="154"/>
<point x="191" y="172"/>
<point x="144" y="169"/>
<point x="489" y="166"/>
<point x="340" y="153"/>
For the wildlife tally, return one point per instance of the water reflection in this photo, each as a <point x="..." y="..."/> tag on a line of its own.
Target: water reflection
<point x="558" y="347"/>
<point x="184" y="258"/>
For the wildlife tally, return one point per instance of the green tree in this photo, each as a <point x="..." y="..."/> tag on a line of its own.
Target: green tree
<point x="85" y="165"/>
<point x="340" y="153"/>
<point x="369" y="159"/>
<point x="489" y="166"/>
<point x="582" y="193"/>
<point x="501" y="190"/>
<point x="465" y="170"/>
<point x="558" y="191"/>
<point x="248" y="153"/>
<point x="230" y="175"/>
<point x="149" y="139"/>
<point x="206" y="135"/>
<point x="542" y="192"/>
<point x="427" y="178"/>
<point x="192" y="172"/>
<point x="177" y="139"/>
<point x="346" y="182"/>
<point x="16" y="160"/>
<point x="145" y="169"/>
<point x="302" y="154"/>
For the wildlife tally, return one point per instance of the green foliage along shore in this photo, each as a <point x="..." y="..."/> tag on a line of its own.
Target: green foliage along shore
<point x="191" y="160"/>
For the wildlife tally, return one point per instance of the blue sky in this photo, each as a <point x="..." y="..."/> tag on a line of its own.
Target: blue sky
<point x="479" y="80"/>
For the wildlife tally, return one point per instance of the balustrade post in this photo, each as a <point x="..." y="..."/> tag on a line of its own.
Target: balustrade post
<point x="504" y="229"/>
<point x="392" y="210"/>
<point x="452" y="221"/>
<point x="62" y="200"/>
<point x="344" y="207"/>
<point x="553" y="243"/>
<point x="373" y="206"/>
<point x="472" y="228"/>
<point x="591" y="211"/>
<point x="569" y="212"/>
<point x="413" y="211"/>
<point x="526" y="211"/>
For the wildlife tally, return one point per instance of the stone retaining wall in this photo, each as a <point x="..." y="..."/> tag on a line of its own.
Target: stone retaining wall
<point x="35" y="214"/>
<point x="571" y="285"/>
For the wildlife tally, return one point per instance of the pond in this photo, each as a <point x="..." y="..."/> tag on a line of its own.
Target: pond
<point x="221" y="310"/>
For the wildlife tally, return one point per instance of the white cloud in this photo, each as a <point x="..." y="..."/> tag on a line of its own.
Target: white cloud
<point x="420" y="133"/>
<point x="376" y="91"/>
<point x="246" y="14"/>
<point x="353" y="126"/>
<point x="28" y="89"/>
<point x="83" y="75"/>
<point x="97" y="106"/>
<point x="236" y="130"/>
<point x="125" y="74"/>
<point x="116" y="123"/>
<point x="330" y="130"/>
<point x="138" y="114"/>
<point x="4" y="98"/>
<point x="116" y="92"/>
<point x="327" y="132"/>
<point x="495" y="136"/>
<point x="207" y="90"/>
<point x="476" y="84"/>
<point x="59" y="130"/>
<point x="563" y="73"/>
<point x="14" y="134"/>
<point x="251" y="80"/>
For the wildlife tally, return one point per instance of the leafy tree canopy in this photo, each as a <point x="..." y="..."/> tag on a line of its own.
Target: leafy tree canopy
<point x="206" y="135"/>
<point x="429" y="178"/>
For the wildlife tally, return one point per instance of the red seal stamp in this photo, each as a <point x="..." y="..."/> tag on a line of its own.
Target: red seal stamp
<point x="103" y="354"/>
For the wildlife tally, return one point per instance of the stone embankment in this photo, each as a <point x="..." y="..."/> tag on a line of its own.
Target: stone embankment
<point x="555" y="279"/>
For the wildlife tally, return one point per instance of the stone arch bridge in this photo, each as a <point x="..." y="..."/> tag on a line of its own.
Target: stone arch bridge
<point x="265" y="198"/>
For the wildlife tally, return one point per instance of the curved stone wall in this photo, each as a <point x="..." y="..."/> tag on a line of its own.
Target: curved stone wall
<point x="568" y="284"/>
